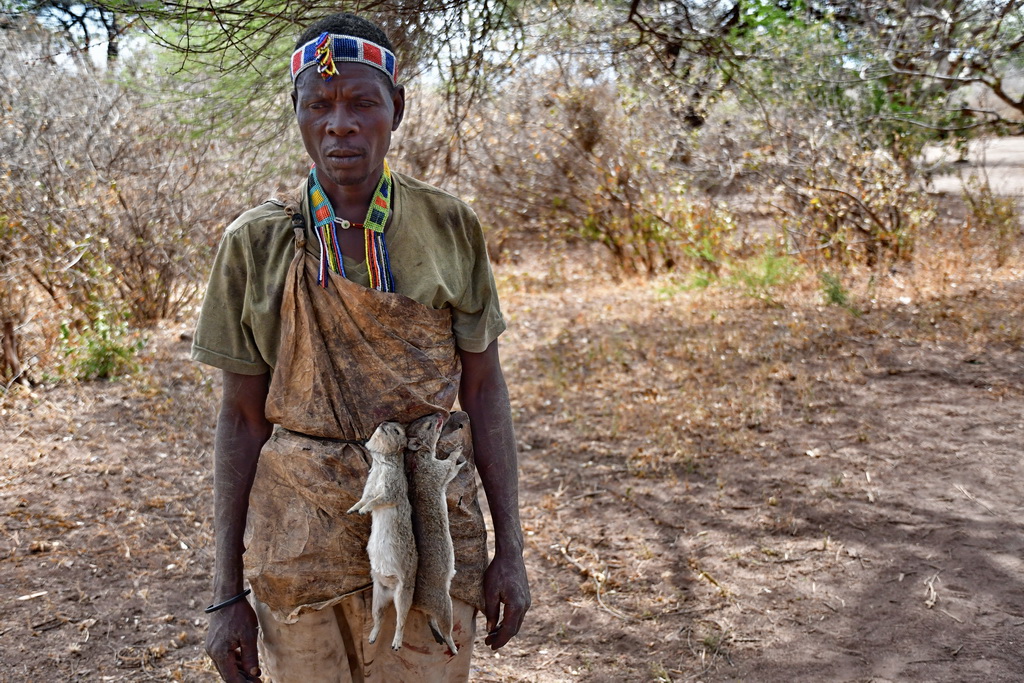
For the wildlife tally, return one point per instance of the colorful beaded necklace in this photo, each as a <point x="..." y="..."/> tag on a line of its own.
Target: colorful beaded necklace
<point x="326" y="224"/>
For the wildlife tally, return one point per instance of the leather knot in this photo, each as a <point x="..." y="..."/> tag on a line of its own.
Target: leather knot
<point x="298" y="225"/>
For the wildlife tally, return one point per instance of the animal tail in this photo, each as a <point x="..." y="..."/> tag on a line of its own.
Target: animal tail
<point x="441" y="638"/>
<point x="437" y="634"/>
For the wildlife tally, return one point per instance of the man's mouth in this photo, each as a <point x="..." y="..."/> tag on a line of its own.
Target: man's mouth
<point x="343" y="154"/>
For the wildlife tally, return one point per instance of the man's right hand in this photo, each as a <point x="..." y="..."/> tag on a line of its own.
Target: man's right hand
<point x="231" y="643"/>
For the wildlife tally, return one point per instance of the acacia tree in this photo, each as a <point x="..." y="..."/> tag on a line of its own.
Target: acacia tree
<point x="943" y="45"/>
<point x="234" y="53"/>
<point x="79" y="24"/>
<point x="909" y="62"/>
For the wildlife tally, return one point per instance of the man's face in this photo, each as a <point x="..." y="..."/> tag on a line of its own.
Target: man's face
<point x="346" y="123"/>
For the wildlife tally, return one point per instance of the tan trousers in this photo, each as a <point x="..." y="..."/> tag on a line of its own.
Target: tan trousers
<point x="332" y="646"/>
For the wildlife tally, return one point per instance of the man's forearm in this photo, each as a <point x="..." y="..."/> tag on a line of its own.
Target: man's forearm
<point x="485" y="399"/>
<point x="484" y="396"/>
<point x="242" y="429"/>
<point x="494" y="446"/>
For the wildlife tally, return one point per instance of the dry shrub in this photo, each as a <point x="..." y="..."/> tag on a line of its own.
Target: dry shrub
<point x="661" y="230"/>
<point x="850" y="205"/>
<point x="110" y="210"/>
<point x="566" y="154"/>
<point x="838" y="198"/>
<point x="994" y="216"/>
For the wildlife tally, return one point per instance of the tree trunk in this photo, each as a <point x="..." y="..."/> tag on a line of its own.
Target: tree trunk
<point x="9" y="344"/>
<point x="113" y="33"/>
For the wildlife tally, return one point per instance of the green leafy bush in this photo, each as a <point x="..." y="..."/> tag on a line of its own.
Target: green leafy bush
<point x="763" y="276"/>
<point x="832" y="289"/>
<point x="105" y="350"/>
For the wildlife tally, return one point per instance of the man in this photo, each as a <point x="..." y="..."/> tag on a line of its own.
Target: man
<point x="355" y="303"/>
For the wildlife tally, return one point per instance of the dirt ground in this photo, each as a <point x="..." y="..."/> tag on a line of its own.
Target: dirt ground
<point x="866" y="529"/>
<point x="713" y="489"/>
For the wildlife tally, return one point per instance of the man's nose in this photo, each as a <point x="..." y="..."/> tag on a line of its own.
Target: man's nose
<point x="341" y="121"/>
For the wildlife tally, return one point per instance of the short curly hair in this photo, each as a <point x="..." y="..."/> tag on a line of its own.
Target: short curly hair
<point x="345" y="24"/>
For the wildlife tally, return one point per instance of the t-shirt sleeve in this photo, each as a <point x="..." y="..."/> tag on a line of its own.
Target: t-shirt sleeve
<point x="476" y="315"/>
<point x="224" y="336"/>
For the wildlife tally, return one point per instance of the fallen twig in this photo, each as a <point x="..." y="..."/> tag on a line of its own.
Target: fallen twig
<point x="50" y="624"/>
<point x="614" y="611"/>
<point x="954" y="618"/>
<point x="600" y="578"/>
<point x="583" y="570"/>
<point x="706" y="661"/>
<point x="588" y="494"/>
<point x="701" y="574"/>
<point x="32" y="596"/>
<point x="545" y="663"/>
<point x="970" y="496"/>
<point x="933" y="597"/>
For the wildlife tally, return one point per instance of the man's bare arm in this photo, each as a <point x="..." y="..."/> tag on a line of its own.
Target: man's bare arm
<point x="484" y="396"/>
<point x="242" y="429"/>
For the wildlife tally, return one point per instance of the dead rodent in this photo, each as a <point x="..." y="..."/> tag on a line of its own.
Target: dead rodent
<point x="454" y="435"/>
<point x="428" y="479"/>
<point x="391" y="548"/>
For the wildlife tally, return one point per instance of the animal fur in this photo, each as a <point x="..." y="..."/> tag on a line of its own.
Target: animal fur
<point x="391" y="548"/>
<point x="428" y="481"/>
<point x="453" y="435"/>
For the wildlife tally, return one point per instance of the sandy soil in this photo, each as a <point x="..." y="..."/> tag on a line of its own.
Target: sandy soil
<point x="712" y="488"/>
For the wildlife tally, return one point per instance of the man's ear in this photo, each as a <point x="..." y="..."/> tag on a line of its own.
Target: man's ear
<point x="295" y="100"/>
<point x="398" y="99"/>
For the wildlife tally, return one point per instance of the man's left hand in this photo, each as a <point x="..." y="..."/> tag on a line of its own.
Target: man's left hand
<point x="505" y="585"/>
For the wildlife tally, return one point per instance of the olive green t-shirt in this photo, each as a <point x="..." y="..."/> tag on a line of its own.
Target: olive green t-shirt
<point x="437" y="253"/>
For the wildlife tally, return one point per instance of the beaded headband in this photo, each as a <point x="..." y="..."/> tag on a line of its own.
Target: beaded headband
<point x="329" y="48"/>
